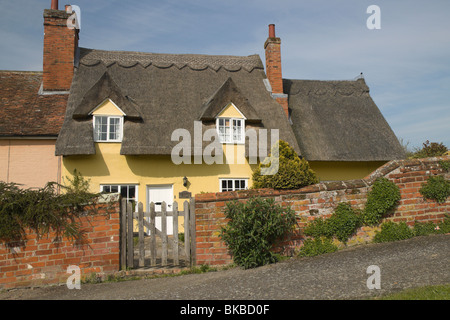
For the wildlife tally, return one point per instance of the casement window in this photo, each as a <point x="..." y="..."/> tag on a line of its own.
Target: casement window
<point x="231" y="130"/>
<point x="108" y="128"/>
<point x="128" y="192"/>
<point x="233" y="184"/>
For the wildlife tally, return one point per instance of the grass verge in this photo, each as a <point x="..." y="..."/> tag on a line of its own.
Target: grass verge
<point x="438" y="292"/>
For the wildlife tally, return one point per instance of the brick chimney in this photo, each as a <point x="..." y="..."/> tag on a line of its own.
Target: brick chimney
<point x="60" y="47"/>
<point x="273" y="68"/>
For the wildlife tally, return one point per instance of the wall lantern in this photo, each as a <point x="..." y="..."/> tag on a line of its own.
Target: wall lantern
<point x="185" y="181"/>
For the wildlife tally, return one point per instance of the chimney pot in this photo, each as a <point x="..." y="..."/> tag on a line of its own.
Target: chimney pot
<point x="271" y="31"/>
<point x="54" y="4"/>
<point x="68" y="8"/>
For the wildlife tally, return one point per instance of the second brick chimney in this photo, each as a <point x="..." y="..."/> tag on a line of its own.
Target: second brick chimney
<point x="272" y="47"/>
<point x="60" y="47"/>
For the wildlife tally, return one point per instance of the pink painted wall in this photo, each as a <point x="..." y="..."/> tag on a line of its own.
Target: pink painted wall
<point x="30" y="162"/>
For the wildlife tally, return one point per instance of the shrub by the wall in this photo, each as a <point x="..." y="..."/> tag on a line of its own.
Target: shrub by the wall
<point x="383" y="197"/>
<point x="391" y="231"/>
<point x="289" y="170"/>
<point x="342" y="224"/>
<point x="41" y="210"/>
<point x="253" y="229"/>
<point x="317" y="246"/>
<point x="437" y="188"/>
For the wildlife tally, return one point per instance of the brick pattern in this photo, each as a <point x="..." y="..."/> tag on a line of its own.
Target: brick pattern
<point x="45" y="261"/>
<point x="273" y="70"/>
<point x="320" y="200"/>
<point x="60" y="44"/>
<point x="273" y="64"/>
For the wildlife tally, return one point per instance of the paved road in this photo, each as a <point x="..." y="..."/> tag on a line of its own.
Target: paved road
<point x="341" y="275"/>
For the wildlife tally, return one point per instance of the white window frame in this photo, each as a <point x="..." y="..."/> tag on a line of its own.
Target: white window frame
<point x="120" y="186"/>
<point x="108" y="139"/>
<point x="233" y="184"/>
<point x="230" y="127"/>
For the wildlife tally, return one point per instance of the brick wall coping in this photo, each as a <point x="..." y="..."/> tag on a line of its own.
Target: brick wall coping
<point x="425" y="164"/>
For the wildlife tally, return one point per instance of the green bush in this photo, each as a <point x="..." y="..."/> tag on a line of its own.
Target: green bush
<point x="293" y="171"/>
<point x="254" y="228"/>
<point x="437" y="188"/>
<point x="317" y="246"/>
<point x="391" y="231"/>
<point x="430" y="149"/>
<point x="41" y="210"/>
<point x="319" y="227"/>
<point x="426" y="228"/>
<point x="445" y="165"/>
<point x="383" y="197"/>
<point x="342" y="224"/>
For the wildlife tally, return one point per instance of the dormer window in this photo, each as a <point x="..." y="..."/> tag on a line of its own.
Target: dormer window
<point x="108" y="122"/>
<point x="108" y="128"/>
<point x="231" y="130"/>
<point x="230" y="125"/>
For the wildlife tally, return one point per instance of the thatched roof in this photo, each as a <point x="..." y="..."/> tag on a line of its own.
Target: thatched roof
<point x="338" y="121"/>
<point x="227" y="93"/>
<point x="330" y="120"/>
<point x="165" y="92"/>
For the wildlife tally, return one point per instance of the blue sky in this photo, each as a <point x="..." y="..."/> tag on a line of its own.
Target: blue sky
<point x="406" y="63"/>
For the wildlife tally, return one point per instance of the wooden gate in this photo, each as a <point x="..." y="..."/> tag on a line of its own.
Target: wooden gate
<point x="145" y="245"/>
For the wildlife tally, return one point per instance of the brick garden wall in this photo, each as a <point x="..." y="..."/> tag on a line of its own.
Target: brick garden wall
<point x="320" y="200"/>
<point x="45" y="261"/>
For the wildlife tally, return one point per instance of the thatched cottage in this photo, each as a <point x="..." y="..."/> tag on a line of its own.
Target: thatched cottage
<point x="131" y="117"/>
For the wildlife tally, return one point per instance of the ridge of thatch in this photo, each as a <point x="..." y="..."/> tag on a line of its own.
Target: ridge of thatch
<point x="199" y="62"/>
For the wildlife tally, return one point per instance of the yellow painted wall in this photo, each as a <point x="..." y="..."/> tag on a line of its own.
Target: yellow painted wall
<point x="107" y="108"/>
<point x="340" y="170"/>
<point x="107" y="166"/>
<point x="230" y="111"/>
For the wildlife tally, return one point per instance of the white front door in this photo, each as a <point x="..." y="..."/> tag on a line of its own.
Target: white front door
<point x="158" y="195"/>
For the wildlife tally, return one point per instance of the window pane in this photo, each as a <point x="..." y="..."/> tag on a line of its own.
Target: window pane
<point x="124" y="192"/>
<point x="132" y="192"/>
<point x="114" y="128"/>
<point x="100" y="128"/>
<point x="237" y="130"/>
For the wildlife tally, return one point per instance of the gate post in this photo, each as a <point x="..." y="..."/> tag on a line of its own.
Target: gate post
<point x="123" y="234"/>
<point x="130" y="248"/>
<point x="193" y="234"/>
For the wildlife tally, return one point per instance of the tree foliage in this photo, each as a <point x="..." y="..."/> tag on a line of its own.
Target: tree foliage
<point x="42" y="210"/>
<point x="253" y="229"/>
<point x="429" y="149"/>
<point x="293" y="172"/>
<point x="383" y="197"/>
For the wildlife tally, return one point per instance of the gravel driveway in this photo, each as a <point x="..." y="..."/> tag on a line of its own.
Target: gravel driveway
<point x="341" y="275"/>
